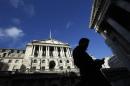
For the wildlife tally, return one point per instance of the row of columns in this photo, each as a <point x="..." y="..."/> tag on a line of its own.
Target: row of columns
<point x="54" y="53"/>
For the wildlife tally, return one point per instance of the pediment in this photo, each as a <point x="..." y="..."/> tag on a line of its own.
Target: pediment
<point x="50" y="41"/>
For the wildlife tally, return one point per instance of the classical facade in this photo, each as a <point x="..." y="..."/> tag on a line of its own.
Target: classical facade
<point x="11" y="59"/>
<point x="113" y="62"/>
<point x="110" y="18"/>
<point x="43" y="56"/>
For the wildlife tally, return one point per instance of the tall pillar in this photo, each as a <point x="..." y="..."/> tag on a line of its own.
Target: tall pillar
<point x="124" y="5"/>
<point x="46" y="52"/>
<point x="56" y="52"/>
<point x="120" y="29"/>
<point x="33" y="50"/>
<point x="62" y="52"/>
<point x="40" y="51"/>
<point x="68" y="52"/>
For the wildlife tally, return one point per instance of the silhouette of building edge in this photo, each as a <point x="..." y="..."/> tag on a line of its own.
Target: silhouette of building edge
<point x="110" y="19"/>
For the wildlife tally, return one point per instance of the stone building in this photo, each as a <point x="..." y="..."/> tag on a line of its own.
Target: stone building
<point x="112" y="62"/>
<point x="43" y="56"/>
<point x="48" y="55"/>
<point x="11" y="59"/>
<point x="110" y="18"/>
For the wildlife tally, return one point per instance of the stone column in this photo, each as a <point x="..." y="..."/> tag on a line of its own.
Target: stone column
<point x="62" y="49"/>
<point x="120" y="29"/>
<point x="54" y="52"/>
<point x="40" y="52"/>
<point x="68" y="54"/>
<point x="33" y="50"/>
<point x="46" y="51"/>
<point x="61" y="52"/>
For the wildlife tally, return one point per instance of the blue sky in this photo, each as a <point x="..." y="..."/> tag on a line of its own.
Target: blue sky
<point x="24" y="20"/>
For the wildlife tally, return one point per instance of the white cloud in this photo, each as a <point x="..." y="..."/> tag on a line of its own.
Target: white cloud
<point x="1" y="33"/>
<point x="12" y="32"/>
<point x="27" y="8"/>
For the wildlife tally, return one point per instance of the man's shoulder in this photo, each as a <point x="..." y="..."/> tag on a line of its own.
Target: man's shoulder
<point x="76" y="48"/>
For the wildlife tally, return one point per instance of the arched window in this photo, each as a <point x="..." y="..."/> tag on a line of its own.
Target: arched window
<point x="43" y="68"/>
<point x="35" y="61"/>
<point x="67" y="61"/>
<point x="43" y="61"/>
<point x="68" y="67"/>
<point x="52" y="65"/>
<point x="9" y="61"/>
<point x="61" y="67"/>
<point x="16" y="61"/>
<point x="33" y="68"/>
<point x="15" y="68"/>
<point x="60" y="61"/>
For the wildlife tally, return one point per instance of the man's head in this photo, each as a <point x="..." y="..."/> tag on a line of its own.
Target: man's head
<point x="83" y="42"/>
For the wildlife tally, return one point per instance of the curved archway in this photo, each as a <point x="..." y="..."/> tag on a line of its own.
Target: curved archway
<point x="52" y="65"/>
<point x="23" y="68"/>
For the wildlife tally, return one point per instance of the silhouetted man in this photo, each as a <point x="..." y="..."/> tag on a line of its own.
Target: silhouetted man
<point x="89" y="68"/>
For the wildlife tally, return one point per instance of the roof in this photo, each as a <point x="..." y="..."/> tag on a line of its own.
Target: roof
<point x="50" y="41"/>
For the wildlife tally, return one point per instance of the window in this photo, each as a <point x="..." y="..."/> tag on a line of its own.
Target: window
<point x="60" y="61"/>
<point x="15" y="68"/>
<point x="43" y="61"/>
<point x="68" y="67"/>
<point x="9" y="61"/>
<point x="35" y="61"/>
<point x="43" y="68"/>
<point x="61" y="67"/>
<point x="33" y="68"/>
<point x="67" y="61"/>
<point x="16" y="61"/>
<point x="23" y="51"/>
<point x="4" y="54"/>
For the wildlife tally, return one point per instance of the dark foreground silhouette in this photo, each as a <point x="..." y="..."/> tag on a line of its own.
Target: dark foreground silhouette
<point x="89" y="68"/>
